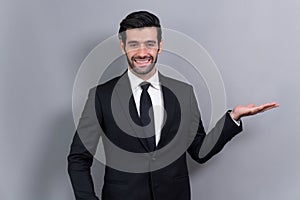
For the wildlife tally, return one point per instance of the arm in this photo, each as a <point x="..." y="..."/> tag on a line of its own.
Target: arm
<point x="83" y="148"/>
<point x="204" y="146"/>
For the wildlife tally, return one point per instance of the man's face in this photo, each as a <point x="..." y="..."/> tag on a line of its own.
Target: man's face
<point x="142" y="50"/>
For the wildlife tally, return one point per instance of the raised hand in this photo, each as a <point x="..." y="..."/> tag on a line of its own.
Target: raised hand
<point x="251" y="109"/>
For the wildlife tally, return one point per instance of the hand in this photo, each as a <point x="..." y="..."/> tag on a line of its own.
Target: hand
<point x="251" y="109"/>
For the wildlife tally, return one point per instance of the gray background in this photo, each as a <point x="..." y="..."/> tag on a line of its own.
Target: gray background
<point x="255" y="45"/>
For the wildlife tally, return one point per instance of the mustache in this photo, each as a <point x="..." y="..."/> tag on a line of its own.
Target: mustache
<point x="142" y="58"/>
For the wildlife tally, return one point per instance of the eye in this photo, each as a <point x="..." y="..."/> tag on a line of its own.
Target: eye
<point x="132" y="45"/>
<point x="151" y="44"/>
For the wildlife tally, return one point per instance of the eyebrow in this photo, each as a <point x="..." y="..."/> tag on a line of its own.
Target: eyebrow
<point x="152" y="41"/>
<point x="134" y="41"/>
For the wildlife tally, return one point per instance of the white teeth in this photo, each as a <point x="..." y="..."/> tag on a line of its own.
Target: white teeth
<point x="142" y="61"/>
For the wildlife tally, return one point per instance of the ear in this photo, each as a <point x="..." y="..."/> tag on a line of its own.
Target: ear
<point x="122" y="46"/>
<point x="160" y="47"/>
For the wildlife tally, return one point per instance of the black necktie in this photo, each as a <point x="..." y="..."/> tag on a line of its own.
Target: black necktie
<point x="147" y="115"/>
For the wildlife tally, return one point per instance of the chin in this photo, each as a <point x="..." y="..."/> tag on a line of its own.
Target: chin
<point x="142" y="70"/>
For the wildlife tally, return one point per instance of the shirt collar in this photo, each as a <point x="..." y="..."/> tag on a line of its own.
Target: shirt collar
<point x="135" y="81"/>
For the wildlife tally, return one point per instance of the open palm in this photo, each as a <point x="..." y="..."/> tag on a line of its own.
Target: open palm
<point x="251" y="109"/>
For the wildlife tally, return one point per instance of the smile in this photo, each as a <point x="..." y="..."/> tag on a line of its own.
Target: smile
<point x="142" y="61"/>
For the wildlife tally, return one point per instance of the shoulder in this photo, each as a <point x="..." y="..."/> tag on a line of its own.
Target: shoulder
<point x="174" y="83"/>
<point x="109" y="85"/>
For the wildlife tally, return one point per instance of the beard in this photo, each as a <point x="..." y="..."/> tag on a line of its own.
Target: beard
<point x="142" y="69"/>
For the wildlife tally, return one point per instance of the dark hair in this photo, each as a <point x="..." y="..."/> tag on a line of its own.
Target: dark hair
<point x="139" y="19"/>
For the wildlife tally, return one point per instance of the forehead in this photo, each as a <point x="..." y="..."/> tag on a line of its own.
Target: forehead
<point x="141" y="34"/>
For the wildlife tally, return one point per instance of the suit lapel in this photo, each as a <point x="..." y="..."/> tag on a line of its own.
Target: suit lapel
<point x="128" y="108"/>
<point x="169" y="105"/>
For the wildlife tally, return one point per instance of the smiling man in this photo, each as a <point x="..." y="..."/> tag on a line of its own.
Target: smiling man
<point x="146" y="113"/>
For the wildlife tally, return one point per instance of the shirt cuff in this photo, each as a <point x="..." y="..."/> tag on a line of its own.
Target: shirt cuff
<point x="237" y="122"/>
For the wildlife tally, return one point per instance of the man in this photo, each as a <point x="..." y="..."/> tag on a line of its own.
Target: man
<point x="145" y="113"/>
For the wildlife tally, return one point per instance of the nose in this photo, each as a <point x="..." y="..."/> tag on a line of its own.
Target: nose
<point x="142" y="50"/>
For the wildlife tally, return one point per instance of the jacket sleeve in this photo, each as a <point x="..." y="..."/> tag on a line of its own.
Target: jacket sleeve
<point x="83" y="148"/>
<point x="204" y="146"/>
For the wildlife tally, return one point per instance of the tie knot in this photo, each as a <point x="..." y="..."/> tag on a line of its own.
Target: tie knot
<point x="145" y="86"/>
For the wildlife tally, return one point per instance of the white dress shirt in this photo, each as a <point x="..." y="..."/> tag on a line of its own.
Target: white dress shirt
<point x="156" y="96"/>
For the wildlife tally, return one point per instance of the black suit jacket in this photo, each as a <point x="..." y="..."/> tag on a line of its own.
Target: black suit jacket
<point x="110" y="112"/>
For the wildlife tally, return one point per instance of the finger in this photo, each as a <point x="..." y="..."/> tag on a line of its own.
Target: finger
<point x="263" y="108"/>
<point x="272" y="104"/>
<point x="270" y="107"/>
<point x="267" y="105"/>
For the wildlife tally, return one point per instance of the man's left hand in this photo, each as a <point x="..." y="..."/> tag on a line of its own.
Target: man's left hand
<point x="251" y="109"/>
